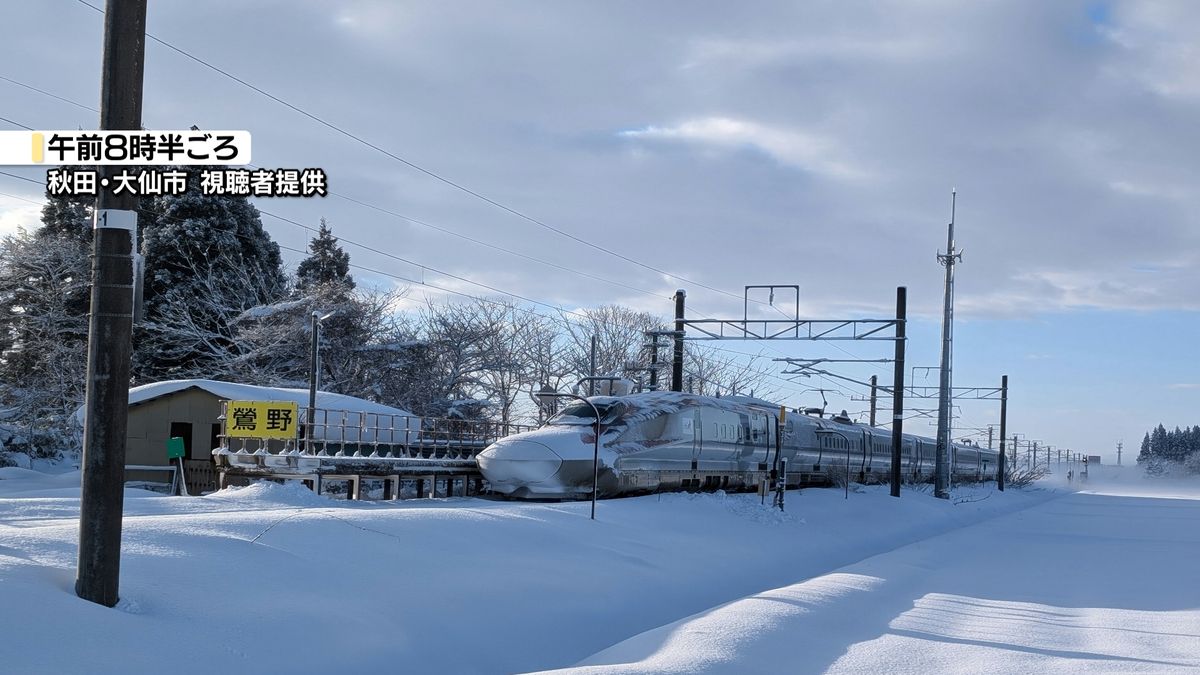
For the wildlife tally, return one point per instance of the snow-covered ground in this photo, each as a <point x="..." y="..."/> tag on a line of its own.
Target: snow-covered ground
<point x="1103" y="580"/>
<point x="271" y="578"/>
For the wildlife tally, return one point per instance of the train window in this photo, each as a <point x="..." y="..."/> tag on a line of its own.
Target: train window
<point x="579" y="413"/>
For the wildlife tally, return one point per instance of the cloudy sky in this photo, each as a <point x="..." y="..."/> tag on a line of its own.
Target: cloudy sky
<point x="810" y="143"/>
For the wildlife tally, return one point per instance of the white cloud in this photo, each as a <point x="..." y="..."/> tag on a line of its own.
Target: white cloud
<point x="758" y="53"/>
<point x="1137" y="189"/>
<point x="1160" y="44"/>
<point x="1117" y="289"/>
<point x="18" y="213"/>
<point x="795" y="148"/>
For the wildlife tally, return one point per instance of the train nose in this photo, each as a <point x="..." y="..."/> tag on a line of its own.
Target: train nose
<point x="519" y="462"/>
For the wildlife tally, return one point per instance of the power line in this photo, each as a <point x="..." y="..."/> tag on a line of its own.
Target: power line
<point x="427" y="267"/>
<point x="429" y="225"/>
<point x="43" y="91"/>
<point x="496" y="247"/>
<point x="15" y="124"/>
<point x="417" y="167"/>
<point x="561" y="316"/>
<point x="398" y="215"/>
<point x="24" y="199"/>
<point x="403" y="217"/>
<point x="556" y="308"/>
<point x="13" y="175"/>
<point x="425" y="224"/>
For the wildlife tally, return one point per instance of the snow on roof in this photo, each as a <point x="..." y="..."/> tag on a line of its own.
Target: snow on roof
<point x="248" y="392"/>
<point x="361" y="422"/>
<point x="648" y="404"/>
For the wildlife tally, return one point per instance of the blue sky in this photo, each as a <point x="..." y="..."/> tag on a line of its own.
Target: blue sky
<point x="813" y="143"/>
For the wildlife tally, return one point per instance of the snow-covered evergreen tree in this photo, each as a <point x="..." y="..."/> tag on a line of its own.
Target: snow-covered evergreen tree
<point x="68" y="216"/>
<point x="326" y="265"/>
<point x="44" y="295"/>
<point x="362" y="342"/>
<point x="208" y="260"/>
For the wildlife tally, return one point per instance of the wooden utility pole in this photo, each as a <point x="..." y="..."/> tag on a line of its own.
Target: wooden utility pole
<point x="111" y="321"/>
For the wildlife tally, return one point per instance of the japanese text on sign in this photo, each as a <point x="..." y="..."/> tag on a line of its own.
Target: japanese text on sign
<point x="261" y="419"/>
<point x="239" y="182"/>
<point x="124" y="147"/>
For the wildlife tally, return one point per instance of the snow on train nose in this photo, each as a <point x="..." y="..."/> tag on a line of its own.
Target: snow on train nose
<point x="518" y="462"/>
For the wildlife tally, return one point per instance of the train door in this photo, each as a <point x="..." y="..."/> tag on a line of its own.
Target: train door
<point x="757" y="446"/>
<point x="868" y="446"/>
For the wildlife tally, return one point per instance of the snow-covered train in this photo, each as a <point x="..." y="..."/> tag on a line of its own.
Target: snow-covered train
<point x="661" y="441"/>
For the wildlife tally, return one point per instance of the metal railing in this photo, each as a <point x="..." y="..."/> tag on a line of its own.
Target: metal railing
<point x="367" y="435"/>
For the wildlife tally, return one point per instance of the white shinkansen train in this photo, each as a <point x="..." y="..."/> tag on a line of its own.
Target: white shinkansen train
<point x="660" y="441"/>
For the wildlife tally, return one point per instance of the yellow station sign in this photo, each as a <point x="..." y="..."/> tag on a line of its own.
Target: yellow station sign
<point x="262" y="419"/>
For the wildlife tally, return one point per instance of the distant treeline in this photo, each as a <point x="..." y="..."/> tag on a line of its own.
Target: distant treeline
<point x="1164" y="450"/>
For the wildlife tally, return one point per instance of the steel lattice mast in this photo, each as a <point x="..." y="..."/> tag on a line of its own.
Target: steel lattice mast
<point x="941" y="464"/>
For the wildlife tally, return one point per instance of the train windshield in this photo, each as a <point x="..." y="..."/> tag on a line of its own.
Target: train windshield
<point x="579" y="413"/>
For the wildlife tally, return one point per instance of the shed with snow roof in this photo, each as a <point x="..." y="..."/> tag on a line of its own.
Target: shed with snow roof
<point x="191" y="409"/>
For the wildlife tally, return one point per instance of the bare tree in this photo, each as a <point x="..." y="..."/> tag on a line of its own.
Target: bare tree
<point x="722" y="373"/>
<point x="620" y="338"/>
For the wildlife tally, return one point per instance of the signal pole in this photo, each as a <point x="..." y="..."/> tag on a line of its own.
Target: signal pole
<point x="941" y="477"/>
<point x="110" y="324"/>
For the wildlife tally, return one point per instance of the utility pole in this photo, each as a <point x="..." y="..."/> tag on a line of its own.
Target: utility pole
<point x="677" y="363"/>
<point x="1120" y="444"/>
<point x="1003" y="468"/>
<point x="314" y="372"/>
<point x="874" y="381"/>
<point x="110" y="324"/>
<point x="898" y="388"/>
<point x="941" y="479"/>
